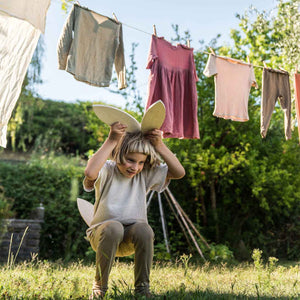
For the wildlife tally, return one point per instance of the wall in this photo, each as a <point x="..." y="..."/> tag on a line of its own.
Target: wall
<point x="14" y="233"/>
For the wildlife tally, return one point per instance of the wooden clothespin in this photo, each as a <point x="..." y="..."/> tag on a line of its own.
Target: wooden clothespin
<point x="188" y="43"/>
<point x="265" y="65"/>
<point x="77" y="2"/>
<point x="212" y="50"/>
<point x="248" y="59"/>
<point x="154" y="30"/>
<point x="282" y="69"/>
<point x="115" y="17"/>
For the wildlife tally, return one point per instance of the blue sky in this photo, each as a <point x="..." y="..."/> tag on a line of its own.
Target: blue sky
<point x="204" y="20"/>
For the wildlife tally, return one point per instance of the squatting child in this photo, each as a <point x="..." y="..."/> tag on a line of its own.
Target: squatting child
<point x="119" y="226"/>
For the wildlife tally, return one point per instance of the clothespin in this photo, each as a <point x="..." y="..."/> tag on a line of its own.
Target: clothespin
<point x="154" y="30"/>
<point x="188" y="43"/>
<point x="282" y="69"/>
<point x="115" y="17"/>
<point x="265" y="65"/>
<point x="77" y="2"/>
<point x="212" y="50"/>
<point x="248" y="59"/>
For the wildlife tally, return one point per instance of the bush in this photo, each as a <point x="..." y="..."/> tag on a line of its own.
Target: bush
<point x="56" y="182"/>
<point x="5" y="212"/>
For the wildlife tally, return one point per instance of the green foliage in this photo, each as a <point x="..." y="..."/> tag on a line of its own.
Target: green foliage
<point x="56" y="182"/>
<point x="5" y="204"/>
<point x="246" y="189"/>
<point x="56" y="126"/>
<point x="264" y="272"/>
<point x="5" y="212"/>
<point x="220" y="253"/>
<point x="65" y="4"/>
<point x="273" y="38"/>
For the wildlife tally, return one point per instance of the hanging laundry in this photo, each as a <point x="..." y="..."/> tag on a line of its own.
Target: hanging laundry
<point x="88" y="47"/>
<point x="21" y="23"/>
<point x="275" y="85"/>
<point x="297" y="100"/>
<point x="233" y="81"/>
<point x="173" y="79"/>
<point x="31" y="10"/>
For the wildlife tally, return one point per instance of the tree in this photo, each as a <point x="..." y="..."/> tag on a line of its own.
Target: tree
<point x="65" y="4"/>
<point x="272" y="163"/>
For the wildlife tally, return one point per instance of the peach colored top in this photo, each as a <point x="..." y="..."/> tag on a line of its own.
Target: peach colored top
<point x="233" y="81"/>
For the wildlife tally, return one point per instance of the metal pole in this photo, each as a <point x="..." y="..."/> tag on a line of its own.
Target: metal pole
<point x="163" y="222"/>
<point x="185" y="223"/>
<point x="150" y="198"/>
<point x="178" y="219"/>
<point x="191" y="223"/>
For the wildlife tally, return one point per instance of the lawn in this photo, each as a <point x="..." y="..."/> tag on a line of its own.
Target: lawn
<point x="177" y="280"/>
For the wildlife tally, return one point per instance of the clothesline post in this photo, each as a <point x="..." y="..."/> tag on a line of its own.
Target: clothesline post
<point x="181" y="217"/>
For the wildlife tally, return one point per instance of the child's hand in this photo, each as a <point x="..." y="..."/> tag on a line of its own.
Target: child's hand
<point x="155" y="137"/>
<point x="117" y="131"/>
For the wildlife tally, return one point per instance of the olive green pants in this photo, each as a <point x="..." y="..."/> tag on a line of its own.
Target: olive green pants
<point x="111" y="238"/>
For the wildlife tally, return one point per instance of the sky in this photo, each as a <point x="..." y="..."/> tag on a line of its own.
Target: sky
<point x="204" y="20"/>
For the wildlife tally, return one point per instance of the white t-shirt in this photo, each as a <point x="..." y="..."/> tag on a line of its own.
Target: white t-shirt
<point x="233" y="81"/>
<point x="124" y="199"/>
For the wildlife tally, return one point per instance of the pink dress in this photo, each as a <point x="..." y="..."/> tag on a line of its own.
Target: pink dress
<point x="173" y="80"/>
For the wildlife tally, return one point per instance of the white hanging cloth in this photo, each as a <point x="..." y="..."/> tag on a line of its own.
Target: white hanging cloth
<point x="21" y="23"/>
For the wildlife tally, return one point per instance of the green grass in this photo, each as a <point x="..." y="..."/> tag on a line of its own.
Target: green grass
<point x="179" y="280"/>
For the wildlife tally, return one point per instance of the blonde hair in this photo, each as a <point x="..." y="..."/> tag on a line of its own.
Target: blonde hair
<point x="136" y="142"/>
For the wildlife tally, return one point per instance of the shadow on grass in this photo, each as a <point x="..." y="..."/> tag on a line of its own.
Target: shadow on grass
<point x="171" y="295"/>
<point x="203" y="295"/>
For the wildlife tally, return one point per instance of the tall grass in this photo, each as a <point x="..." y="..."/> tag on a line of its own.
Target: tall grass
<point x="11" y="258"/>
<point x="178" y="280"/>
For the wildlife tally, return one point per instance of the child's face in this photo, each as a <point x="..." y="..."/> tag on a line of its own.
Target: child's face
<point x="134" y="164"/>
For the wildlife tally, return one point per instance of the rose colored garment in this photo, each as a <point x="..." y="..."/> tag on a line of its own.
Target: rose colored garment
<point x="173" y="80"/>
<point x="233" y="81"/>
<point x="297" y="100"/>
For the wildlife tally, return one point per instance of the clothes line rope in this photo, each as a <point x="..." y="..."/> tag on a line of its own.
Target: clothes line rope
<point x="135" y="28"/>
<point x="205" y="52"/>
<point x="188" y="41"/>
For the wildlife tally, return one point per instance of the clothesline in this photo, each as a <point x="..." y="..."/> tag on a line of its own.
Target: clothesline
<point x="205" y="52"/>
<point x="154" y="28"/>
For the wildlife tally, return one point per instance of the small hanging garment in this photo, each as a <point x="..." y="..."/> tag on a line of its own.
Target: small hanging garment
<point x="233" y="81"/>
<point x="21" y="23"/>
<point x="297" y="100"/>
<point x="173" y="79"/>
<point x="275" y="85"/>
<point x="88" y="47"/>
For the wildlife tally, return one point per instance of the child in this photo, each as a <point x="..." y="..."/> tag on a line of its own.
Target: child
<point x="120" y="225"/>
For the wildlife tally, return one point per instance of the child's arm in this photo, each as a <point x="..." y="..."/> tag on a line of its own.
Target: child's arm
<point x="96" y="162"/>
<point x="175" y="169"/>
